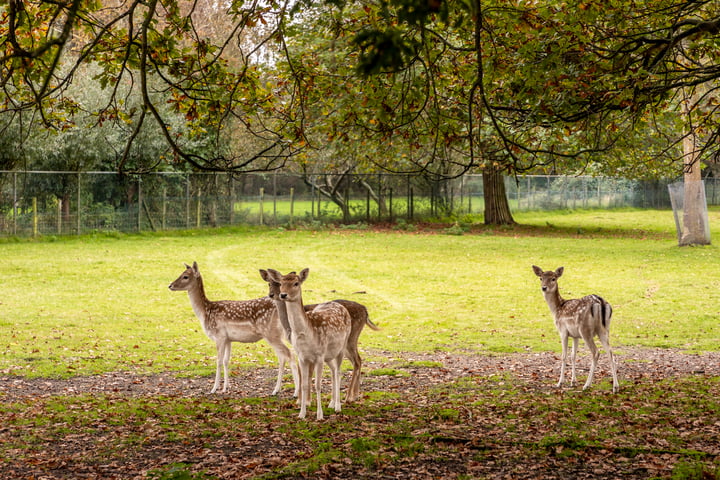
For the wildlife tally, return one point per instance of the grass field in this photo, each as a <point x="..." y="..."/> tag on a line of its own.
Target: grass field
<point x="91" y="304"/>
<point x="96" y="304"/>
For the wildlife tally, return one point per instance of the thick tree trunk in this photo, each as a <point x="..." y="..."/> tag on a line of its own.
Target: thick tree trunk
<point x="695" y="230"/>
<point x="497" y="208"/>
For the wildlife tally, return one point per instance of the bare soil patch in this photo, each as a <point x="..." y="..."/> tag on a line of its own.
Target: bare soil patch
<point x="540" y="370"/>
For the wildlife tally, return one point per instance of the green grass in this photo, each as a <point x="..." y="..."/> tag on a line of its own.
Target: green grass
<point x="91" y="304"/>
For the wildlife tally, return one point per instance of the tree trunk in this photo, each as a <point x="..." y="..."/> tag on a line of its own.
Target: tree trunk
<point x="695" y="230"/>
<point x="497" y="208"/>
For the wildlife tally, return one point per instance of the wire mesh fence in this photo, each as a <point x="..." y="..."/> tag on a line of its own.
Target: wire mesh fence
<point x="65" y="203"/>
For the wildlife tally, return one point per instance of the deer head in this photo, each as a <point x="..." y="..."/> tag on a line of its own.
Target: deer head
<point x="273" y="286"/>
<point x="290" y="285"/>
<point x="187" y="279"/>
<point x="548" y="280"/>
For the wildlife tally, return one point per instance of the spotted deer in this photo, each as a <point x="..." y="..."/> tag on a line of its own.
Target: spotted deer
<point x="577" y="318"/>
<point x="359" y="317"/>
<point x="318" y="336"/>
<point x="230" y="321"/>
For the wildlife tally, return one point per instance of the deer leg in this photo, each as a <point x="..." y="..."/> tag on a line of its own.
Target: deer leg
<point x="335" y="370"/>
<point x="594" y="355"/>
<point x="305" y="389"/>
<point x="295" y="374"/>
<point x="298" y="383"/>
<point x="318" y="388"/>
<point x="283" y="355"/>
<point x="613" y="367"/>
<point x="353" y="391"/>
<point x="220" y="351"/>
<point x="278" y="382"/>
<point x="573" y="380"/>
<point x="564" y="338"/>
<point x="226" y="363"/>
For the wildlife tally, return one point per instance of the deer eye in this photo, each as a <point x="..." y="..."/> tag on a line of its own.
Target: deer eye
<point x="185" y="277"/>
<point x="296" y="284"/>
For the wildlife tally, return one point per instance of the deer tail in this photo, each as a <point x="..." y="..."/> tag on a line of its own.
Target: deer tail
<point x="370" y="323"/>
<point x="605" y="311"/>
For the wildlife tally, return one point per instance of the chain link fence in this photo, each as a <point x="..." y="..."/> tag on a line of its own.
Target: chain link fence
<point x="65" y="203"/>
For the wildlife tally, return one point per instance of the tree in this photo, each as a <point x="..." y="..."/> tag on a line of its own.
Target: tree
<point x="454" y="86"/>
<point x="159" y="52"/>
<point x="564" y="83"/>
<point x="412" y="119"/>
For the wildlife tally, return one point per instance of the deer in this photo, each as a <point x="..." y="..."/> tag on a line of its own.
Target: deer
<point x="359" y="317"/>
<point x="585" y="318"/>
<point x="228" y="321"/>
<point x="318" y="336"/>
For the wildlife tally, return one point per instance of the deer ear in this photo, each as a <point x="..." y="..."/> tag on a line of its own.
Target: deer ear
<point x="559" y="271"/>
<point x="274" y="275"/>
<point x="304" y="274"/>
<point x="264" y="274"/>
<point x="538" y="271"/>
<point x="195" y="267"/>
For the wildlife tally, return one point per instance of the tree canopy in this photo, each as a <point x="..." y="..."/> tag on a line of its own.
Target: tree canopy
<point x="439" y="87"/>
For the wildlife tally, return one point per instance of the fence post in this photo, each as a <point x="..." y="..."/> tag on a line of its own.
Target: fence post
<point x="407" y="213"/>
<point x="319" y="205"/>
<point x="139" y="204"/>
<point x="367" y="206"/>
<point x="346" y="211"/>
<point x="262" y="197"/>
<point x="199" y="208"/>
<point x="411" y="205"/>
<point x="14" y="203"/>
<point x="79" y="215"/>
<point x="214" y="202"/>
<point x="164" y="208"/>
<point x="275" y="197"/>
<point x="35" y="217"/>
<point x="312" y="202"/>
<point x="231" y="185"/>
<point x="187" y="201"/>
<point x="292" y="205"/>
<point x="390" y="193"/>
<point x="59" y="217"/>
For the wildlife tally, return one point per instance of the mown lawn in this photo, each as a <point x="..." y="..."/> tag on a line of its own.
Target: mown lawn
<point x="97" y="304"/>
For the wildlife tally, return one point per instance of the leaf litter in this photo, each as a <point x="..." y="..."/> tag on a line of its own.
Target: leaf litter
<point x="422" y="415"/>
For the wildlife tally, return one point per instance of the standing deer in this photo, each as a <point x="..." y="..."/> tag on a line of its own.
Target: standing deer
<point x="358" y="316"/>
<point x="318" y="336"/>
<point x="584" y="318"/>
<point x="230" y="321"/>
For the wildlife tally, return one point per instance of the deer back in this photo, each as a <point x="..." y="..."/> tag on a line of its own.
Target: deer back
<point x="584" y="316"/>
<point x="331" y="323"/>
<point x="241" y="321"/>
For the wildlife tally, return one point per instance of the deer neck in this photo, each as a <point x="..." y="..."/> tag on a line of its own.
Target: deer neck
<point x="282" y="313"/>
<point x="554" y="301"/>
<point x="199" y="301"/>
<point x="296" y="317"/>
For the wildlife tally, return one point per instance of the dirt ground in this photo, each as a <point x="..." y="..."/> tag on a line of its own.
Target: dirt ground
<point x="541" y="369"/>
<point x="258" y="454"/>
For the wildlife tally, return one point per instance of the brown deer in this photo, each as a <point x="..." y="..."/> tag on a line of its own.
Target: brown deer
<point x="359" y="318"/>
<point x="318" y="336"/>
<point x="230" y="321"/>
<point x="577" y="318"/>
